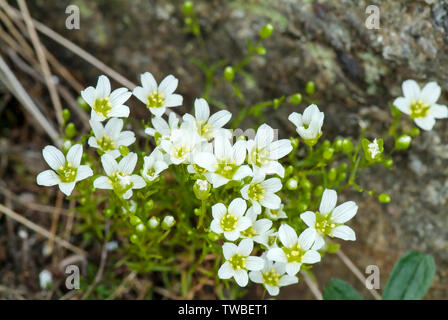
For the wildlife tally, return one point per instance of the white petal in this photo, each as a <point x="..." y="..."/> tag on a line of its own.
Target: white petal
<point x="438" y="111"/>
<point x="47" y="178"/>
<point x="287" y="235"/>
<point x="292" y="268"/>
<point x="262" y="225"/>
<point x="309" y="218"/>
<point x="279" y="149"/>
<point x="141" y="94"/>
<point x="215" y="227"/>
<point x="344" y="233"/>
<point x="242" y="172"/>
<point x="229" y="249"/>
<point x="254" y="263"/>
<point x="256" y="276"/>
<point x="273" y="167"/>
<point x="205" y="160"/>
<point x="328" y="202"/>
<point x="148" y="81"/>
<point x="102" y="87"/>
<point x="102" y="182"/>
<point x="54" y="157"/>
<point x="201" y="110"/>
<point x="74" y="155"/>
<point x="119" y="111"/>
<point x="344" y="212"/>
<point x="127" y="194"/>
<point x="273" y="291"/>
<point x="241" y="277"/>
<point x="225" y="271"/>
<point x="97" y="128"/>
<point x="66" y="187"/>
<point x="311" y="256"/>
<point x="277" y="254"/>
<point x="219" y="119"/>
<point x="218" y="211"/>
<point x="137" y="181"/>
<point x="127" y="164"/>
<point x="173" y="100"/>
<point x="272" y="185"/>
<point x="232" y="235"/>
<point x="89" y="95"/>
<point x="109" y="164"/>
<point x="83" y="172"/>
<point x="237" y="207"/>
<point x="243" y="223"/>
<point x="287" y="280"/>
<point x="403" y="104"/>
<point x="295" y="118"/>
<point x="265" y="135"/>
<point x="318" y="243"/>
<point x="431" y="92"/>
<point x="426" y="123"/>
<point x="126" y="138"/>
<point x="245" y="247"/>
<point x="158" y="112"/>
<point x="306" y="238"/>
<point x="411" y="89"/>
<point x="168" y="85"/>
<point x="271" y="201"/>
<point x="113" y="127"/>
<point x="244" y="192"/>
<point x="120" y="96"/>
<point x="239" y="152"/>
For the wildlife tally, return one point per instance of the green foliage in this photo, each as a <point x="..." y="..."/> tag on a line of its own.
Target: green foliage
<point x="411" y="277"/>
<point x="340" y="290"/>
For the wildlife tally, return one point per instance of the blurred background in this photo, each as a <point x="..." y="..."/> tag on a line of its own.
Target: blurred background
<point x="357" y="72"/>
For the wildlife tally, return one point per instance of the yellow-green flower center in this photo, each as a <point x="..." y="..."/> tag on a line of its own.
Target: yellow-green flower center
<point x="238" y="262"/>
<point x="229" y="222"/>
<point x="199" y="169"/>
<point x="274" y="212"/>
<point x="256" y="191"/>
<point x="67" y="173"/>
<point x="203" y="129"/>
<point x="121" y="182"/>
<point x="226" y="168"/>
<point x="259" y="156"/>
<point x="102" y="106"/>
<point x="419" y="109"/>
<point x="181" y="151"/>
<point x="155" y="100"/>
<point x="106" y="143"/>
<point x="249" y="232"/>
<point x="271" y="278"/>
<point x="294" y="253"/>
<point x="151" y="172"/>
<point x="324" y="225"/>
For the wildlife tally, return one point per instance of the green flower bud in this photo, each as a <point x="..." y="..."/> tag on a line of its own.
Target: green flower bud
<point x="326" y="144"/>
<point x="124" y="151"/>
<point x="307" y="196"/>
<point x="414" y="132"/>
<point x="66" y="146"/>
<point x="388" y="163"/>
<point x="342" y="176"/>
<point x="213" y="236"/>
<point x="134" y="220"/>
<point x="202" y="189"/>
<point x="294" y="142"/>
<point x="347" y="146"/>
<point x="149" y="205"/>
<point x="328" y="154"/>
<point x="134" y="238"/>
<point x="332" y="174"/>
<point x="301" y="207"/>
<point x="197" y="211"/>
<point x="306" y="184"/>
<point x="266" y="30"/>
<point x="66" y="115"/>
<point x="373" y="151"/>
<point x="403" y="142"/>
<point x="70" y="130"/>
<point x="84" y="105"/>
<point x="296" y="98"/>
<point x="289" y="170"/>
<point x="318" y="191"/>
<point x="229" y="73"/>
<point x="188" y="21"/>
<point x="310" y="88"/>
<point x="292" y="184"/>
<point x="83" y="201"/>
<point x="140" y="227"/>
<point x="108" y="212"/>
<point x="187" y="8"/>
<point x="343" y="167"/>
<point x="337" y="144"/>
<point x="384" y="198"/>
<point x="261" y="50"/>
<point x="153" y="222"/>
<point x="168" y="222"/>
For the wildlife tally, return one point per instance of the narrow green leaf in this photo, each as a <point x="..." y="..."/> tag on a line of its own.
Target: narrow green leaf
<point x="338" y="289"/>
<point x="411" y="277"/>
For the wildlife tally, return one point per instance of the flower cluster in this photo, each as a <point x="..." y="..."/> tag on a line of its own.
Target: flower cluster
<point x="239" y="178"/>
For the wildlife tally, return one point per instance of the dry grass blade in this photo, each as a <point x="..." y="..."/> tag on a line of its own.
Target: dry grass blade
<point x="19" y="92"/>
<point x="42" y="60"/>
<point x="313" y="286"/>
<point x="31" y="225"/>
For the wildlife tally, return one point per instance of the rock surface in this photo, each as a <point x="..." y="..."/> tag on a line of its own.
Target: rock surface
<point x="357" y="72"/>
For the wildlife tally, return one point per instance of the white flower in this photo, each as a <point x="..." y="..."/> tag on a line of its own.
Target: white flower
<point x="110" y="137"/>
<point x="264" y="152"/>
<point x="275" y="214"/>
<point x="421" y="105"/>
<point x="180" y="146"/>
<point x="67" y="171"/>
<point x="273" y="276"/>
<point x="205" y="125"/>
<point x="45" y="279"/>
<point x="330" y="220"/>
<point x="158" y="97"/>
<point x="226" y="163"/>
<point x="153" y="165"/>
<point x="119" y="175"/>
<point x="259" y="230"/>
<point x="374" y="149"/>
<point x="230" y="221"/>
<point x="105" y="104"/>
<point x="295" y="250"/>
<point x="261" y="192"/>
<point x="238" y="262"/>
<point x="309" y="125"/>
<point x="161" y="128"/>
